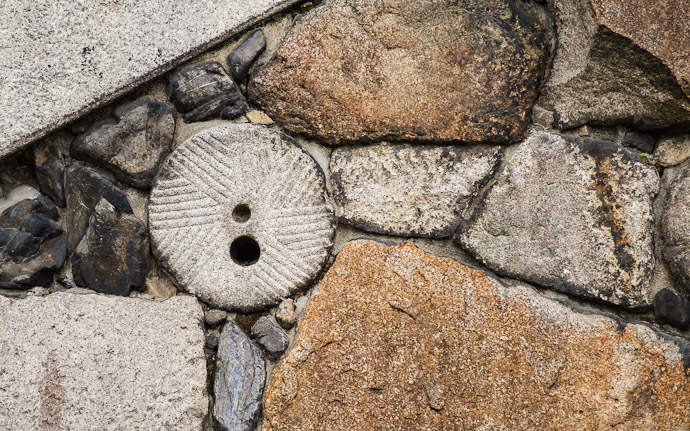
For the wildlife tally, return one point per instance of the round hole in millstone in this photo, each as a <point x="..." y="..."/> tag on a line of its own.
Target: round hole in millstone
<point x="245" y="250"/>
<point x="241" y="213"/>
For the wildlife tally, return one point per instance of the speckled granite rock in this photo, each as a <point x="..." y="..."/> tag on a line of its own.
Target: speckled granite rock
<point x="133" y="145"/>
<point x="240" y="216"/>
<point x="84" y="362"/>
<point x="409" y="190"/>
<point x="620" y="62"/>
<point x="672" y="151"/>
<point x="361" y="70"/>
<point x="400" y="339"/>
<point x="676" y="223"/>
<point x="573" y="214"/>
<point x="59" y="60"/>
<point x="239" y="381"/>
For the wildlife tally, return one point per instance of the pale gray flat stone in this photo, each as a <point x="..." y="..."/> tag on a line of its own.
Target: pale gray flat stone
<point x="86" y="362"/>
<point x="59" y="60"/>
<point x="240" y="216"/>
<point x="409" y="190"/>
<point x="572" y="214"/>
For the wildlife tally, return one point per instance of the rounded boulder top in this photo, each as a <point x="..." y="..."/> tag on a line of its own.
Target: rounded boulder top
<point x="240" y="216"/>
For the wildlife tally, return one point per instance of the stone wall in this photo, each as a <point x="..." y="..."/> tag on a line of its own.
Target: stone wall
<point x="362" y="215"/>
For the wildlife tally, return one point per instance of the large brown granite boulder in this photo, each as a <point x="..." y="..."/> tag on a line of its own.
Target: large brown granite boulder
<point x="448" y="71"/>
<point x="620" y="62"/>
<point x="400" y="339"/>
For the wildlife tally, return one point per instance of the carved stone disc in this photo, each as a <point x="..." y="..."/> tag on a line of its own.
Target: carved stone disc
<point x="240" y="216"/>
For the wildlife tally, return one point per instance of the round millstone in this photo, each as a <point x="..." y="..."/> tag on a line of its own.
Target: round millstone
<point x="240" y="216"/>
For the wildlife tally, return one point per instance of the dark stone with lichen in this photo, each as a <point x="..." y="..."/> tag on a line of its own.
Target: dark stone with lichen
<point x="32" y="245"/>
<point x="672" y="309"/>
<point x="675" y="225"/>
<point x="112" y="256"/>
<point x="133" y="144"/>
<point x="203" y="91"/>
<point x="429" y="71"/>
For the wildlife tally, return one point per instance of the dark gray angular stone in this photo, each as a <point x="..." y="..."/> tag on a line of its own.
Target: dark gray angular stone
<point x="32" y="245"/>
<point x="112" y="256"/>
<point x="270" y="337"/>
<point x="50" y="166"/>
<point x="215" y="317"/>
<point x="202" y="91"/>
<point x="672" y="309"/>
<point x="239" y="381"/>
<point x="642" y="141"/>
<point x="242" y="57"/>
<point x="84" y="188"/>
<point x="133" y="145"/>
<point x="676" y="223"/>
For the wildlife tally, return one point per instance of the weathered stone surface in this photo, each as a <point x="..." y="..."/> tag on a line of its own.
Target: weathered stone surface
<point x="112" y="256"/>
<point x="672" y="309"/>
<point x="270" y="337"/>
<point x="132" y="145"/>
<point x="672" y="151"/>
<point x="285" y="315"/>
<point x="240" y="216"/>
<point x="50" y="166"/>
<point x="642" y="141"/>
<point x="603" y="73"/>
<point x="573" y="214"/>
<point x="400" y="339"/>
<point x="676" y="224"/>
<point x="59" y="60"/>
<point x="359" y="70"/>
<point x="204" y="91"/>
<point x="32" y="245"/>
<point x="215" y="317"/>
<point x="239" y="381"/>
<point x="242" y="57"/>
<point x="409" y="190"/>
<point x="85" y="362"/>
<point x="84" y="188"/>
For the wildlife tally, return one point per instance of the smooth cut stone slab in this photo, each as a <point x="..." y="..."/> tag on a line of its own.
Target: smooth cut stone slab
<point x="239" y="214"/>
<point x="399" y="339"/>
<point x="239" y="381"/>
<point x="85" y="362"/>
<point x="409" y="190"/>
<point x="571" y="214"/>
<point x="59" y="60"/>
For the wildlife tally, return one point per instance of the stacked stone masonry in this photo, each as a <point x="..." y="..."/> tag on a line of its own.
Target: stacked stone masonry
<point x="346" y="215"/>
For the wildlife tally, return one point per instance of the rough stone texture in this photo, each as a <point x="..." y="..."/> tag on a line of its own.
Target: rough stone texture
<point x="112" y="256"/>
<point x="672" y="309"/>
<point x="245" y="185"/>
<point x="270" y="337"/>
<point x="285" y="315"/>
<point x="50" y="166"/>
<point x="32" y="245"/>
<point x="84" y="188"/>
<point x="132" y="145"/>
<point x="85" y="362"/>
<point x="642" y="141"/>
<point x="409" y="190"/>
<point x="239" y="381"/>
<point x="215" y="317"/>
<point x="400" y="339"/>
<point x="204" y="91"/>
<point x="676" y="224"/>
<point x="242" y="57"/>
<point x="605" y="70"/>
<point x="59" y="60"/>
<point x="672" y="151"/>
<point x="362" y="70"/>
<point x="574" y="214"/>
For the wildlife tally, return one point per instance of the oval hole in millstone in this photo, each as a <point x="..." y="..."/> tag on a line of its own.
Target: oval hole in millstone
<point x="245" y="251"/>
<point x="241" y="213"/>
